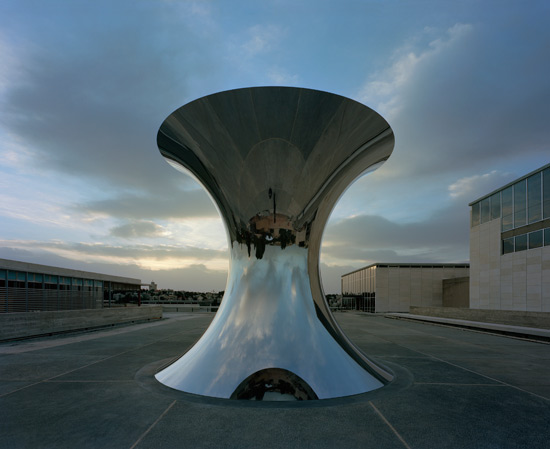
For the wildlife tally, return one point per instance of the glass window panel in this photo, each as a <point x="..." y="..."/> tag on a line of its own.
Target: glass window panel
<point x="507" y="209"/>
<point x="20" y="276"/>
<point x="535" y="239"/>
<point x="507" y="222"/>
<point x="534" y="197"/>
<point x="12" y="275"/>
<point x="485" y="210"/>
<point x="521" y="242"/>
<point x="547" y="237"/>
<point x="507" y="201"/>
<point x="508" y="245"/>
<point x="3" y="274"/>
<point x="495" y="206"/>
<point x="475" y="214"/>
<point x="546" y="193"/>
<point x="520" y="215"/>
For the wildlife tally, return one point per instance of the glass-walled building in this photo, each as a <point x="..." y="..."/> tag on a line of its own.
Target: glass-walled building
<point x="510" y="246"/>
<point x="384" y="287"/>
<point x="27" y="287"/>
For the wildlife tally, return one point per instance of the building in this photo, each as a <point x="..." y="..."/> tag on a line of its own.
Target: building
<point x="396" y="287"/>
<point x="27" y="287"/>
<point x="510" y="246"/>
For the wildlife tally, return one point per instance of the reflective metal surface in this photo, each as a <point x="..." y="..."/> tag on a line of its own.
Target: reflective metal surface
<point x="275" y="160"/>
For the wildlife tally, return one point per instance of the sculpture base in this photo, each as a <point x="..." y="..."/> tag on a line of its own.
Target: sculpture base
<point x="267" y="324"/>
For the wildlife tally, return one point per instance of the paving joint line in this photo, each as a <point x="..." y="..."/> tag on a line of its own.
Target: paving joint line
<point x="487" y="377"/>
<point x="458" y="366"/>
<point x="90" y="364"/>
<point x="144" y="434"/>
<point x="389" y="425"/>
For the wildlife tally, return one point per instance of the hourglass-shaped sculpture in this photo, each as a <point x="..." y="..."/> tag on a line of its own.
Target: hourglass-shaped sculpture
<point x="275" y="160"/>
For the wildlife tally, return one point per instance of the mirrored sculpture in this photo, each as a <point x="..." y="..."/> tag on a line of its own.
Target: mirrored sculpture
<point x="275" y="160"/>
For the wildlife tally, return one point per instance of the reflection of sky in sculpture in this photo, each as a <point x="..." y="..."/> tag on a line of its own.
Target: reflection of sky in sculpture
<point x="267" y="319"/>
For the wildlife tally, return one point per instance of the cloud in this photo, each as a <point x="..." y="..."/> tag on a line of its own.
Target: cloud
<point x="174" y="204"/>
<point x="471" y="187"/>
<point x="262" y="39"/>
<point x="152" y="257"/>
<point x="90" y="105"/>
<point x="464" y="101"/>
<point x="383" y="90"/>
<point x="441" y="236"/>
<point x="281" y="77"/>
<point x="138" y="229"/>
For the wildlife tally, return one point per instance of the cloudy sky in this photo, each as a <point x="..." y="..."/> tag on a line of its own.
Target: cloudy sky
<point x="85" y="85"/>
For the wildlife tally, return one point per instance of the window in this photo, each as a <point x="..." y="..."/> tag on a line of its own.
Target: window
<point x="547" y="237"/>
<point x="520" y="215"/>
<point x="535" y="239"/>
<point x="16" y="279"/>
<point x="495" y="206"/>
<point x="546" y="193"/>
<point x="50" y="282"/>
<point x="485" y="210"/>
<point x="508" y="245"/>
<point x="521" y="242"/>
<point x="34" y="280"/>
<point x="534" y="200"/>
<point x="475" y="214"/>
<point x="507" y="209"/>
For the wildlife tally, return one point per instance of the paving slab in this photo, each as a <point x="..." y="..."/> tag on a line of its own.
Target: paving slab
<point x="453" y="389"/>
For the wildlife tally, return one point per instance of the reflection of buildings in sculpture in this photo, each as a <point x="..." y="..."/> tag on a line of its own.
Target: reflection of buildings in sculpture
<point x="275" y="160"/>
<point x="26" y="287"/>
<point x="510" y="246"/>
<point x="395" y="287"/>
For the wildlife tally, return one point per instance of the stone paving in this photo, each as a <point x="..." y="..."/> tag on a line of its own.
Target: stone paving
<point x="454" y="389"/>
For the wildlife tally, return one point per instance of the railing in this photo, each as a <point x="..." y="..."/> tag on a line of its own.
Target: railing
<point x="18" y="299"/>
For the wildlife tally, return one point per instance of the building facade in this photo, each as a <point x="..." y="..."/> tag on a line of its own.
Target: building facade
<point x="27" y="287"/>
<point x="510" y="246"/>
<point x="396" y="287"/>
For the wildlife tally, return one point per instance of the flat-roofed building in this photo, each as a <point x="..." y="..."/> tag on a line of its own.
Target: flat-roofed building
<point x="394" y="287"/>
<point x="510" y="246"/>
<point x="26" y="287"/>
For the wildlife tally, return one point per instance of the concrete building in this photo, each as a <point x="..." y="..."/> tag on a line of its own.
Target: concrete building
<point x="510" y="246"/>
<point x="27" y="287"/>
<point x="395" y="287"/>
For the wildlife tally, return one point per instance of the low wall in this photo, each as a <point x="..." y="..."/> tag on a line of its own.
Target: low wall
<point x="189" y="308"/>
<point x="539" y="320"/>
<point x="33" y="324"/>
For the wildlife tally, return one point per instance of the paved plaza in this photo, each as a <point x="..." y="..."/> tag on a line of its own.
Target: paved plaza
<point x="454" y="388"/>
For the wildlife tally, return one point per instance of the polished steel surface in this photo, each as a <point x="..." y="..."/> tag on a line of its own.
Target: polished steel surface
<point x="275" y="160"/>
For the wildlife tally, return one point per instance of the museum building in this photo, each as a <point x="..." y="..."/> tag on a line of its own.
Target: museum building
<point x="28" y="287"/>
<point x="510" y="246"/>
<point x="395" y="287"/>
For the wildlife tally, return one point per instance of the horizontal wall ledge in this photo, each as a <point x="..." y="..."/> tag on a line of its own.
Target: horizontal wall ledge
<point x="15" y="326"/>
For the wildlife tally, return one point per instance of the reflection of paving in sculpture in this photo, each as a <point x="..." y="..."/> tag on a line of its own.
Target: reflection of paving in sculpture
<point x="275" y="160"/>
